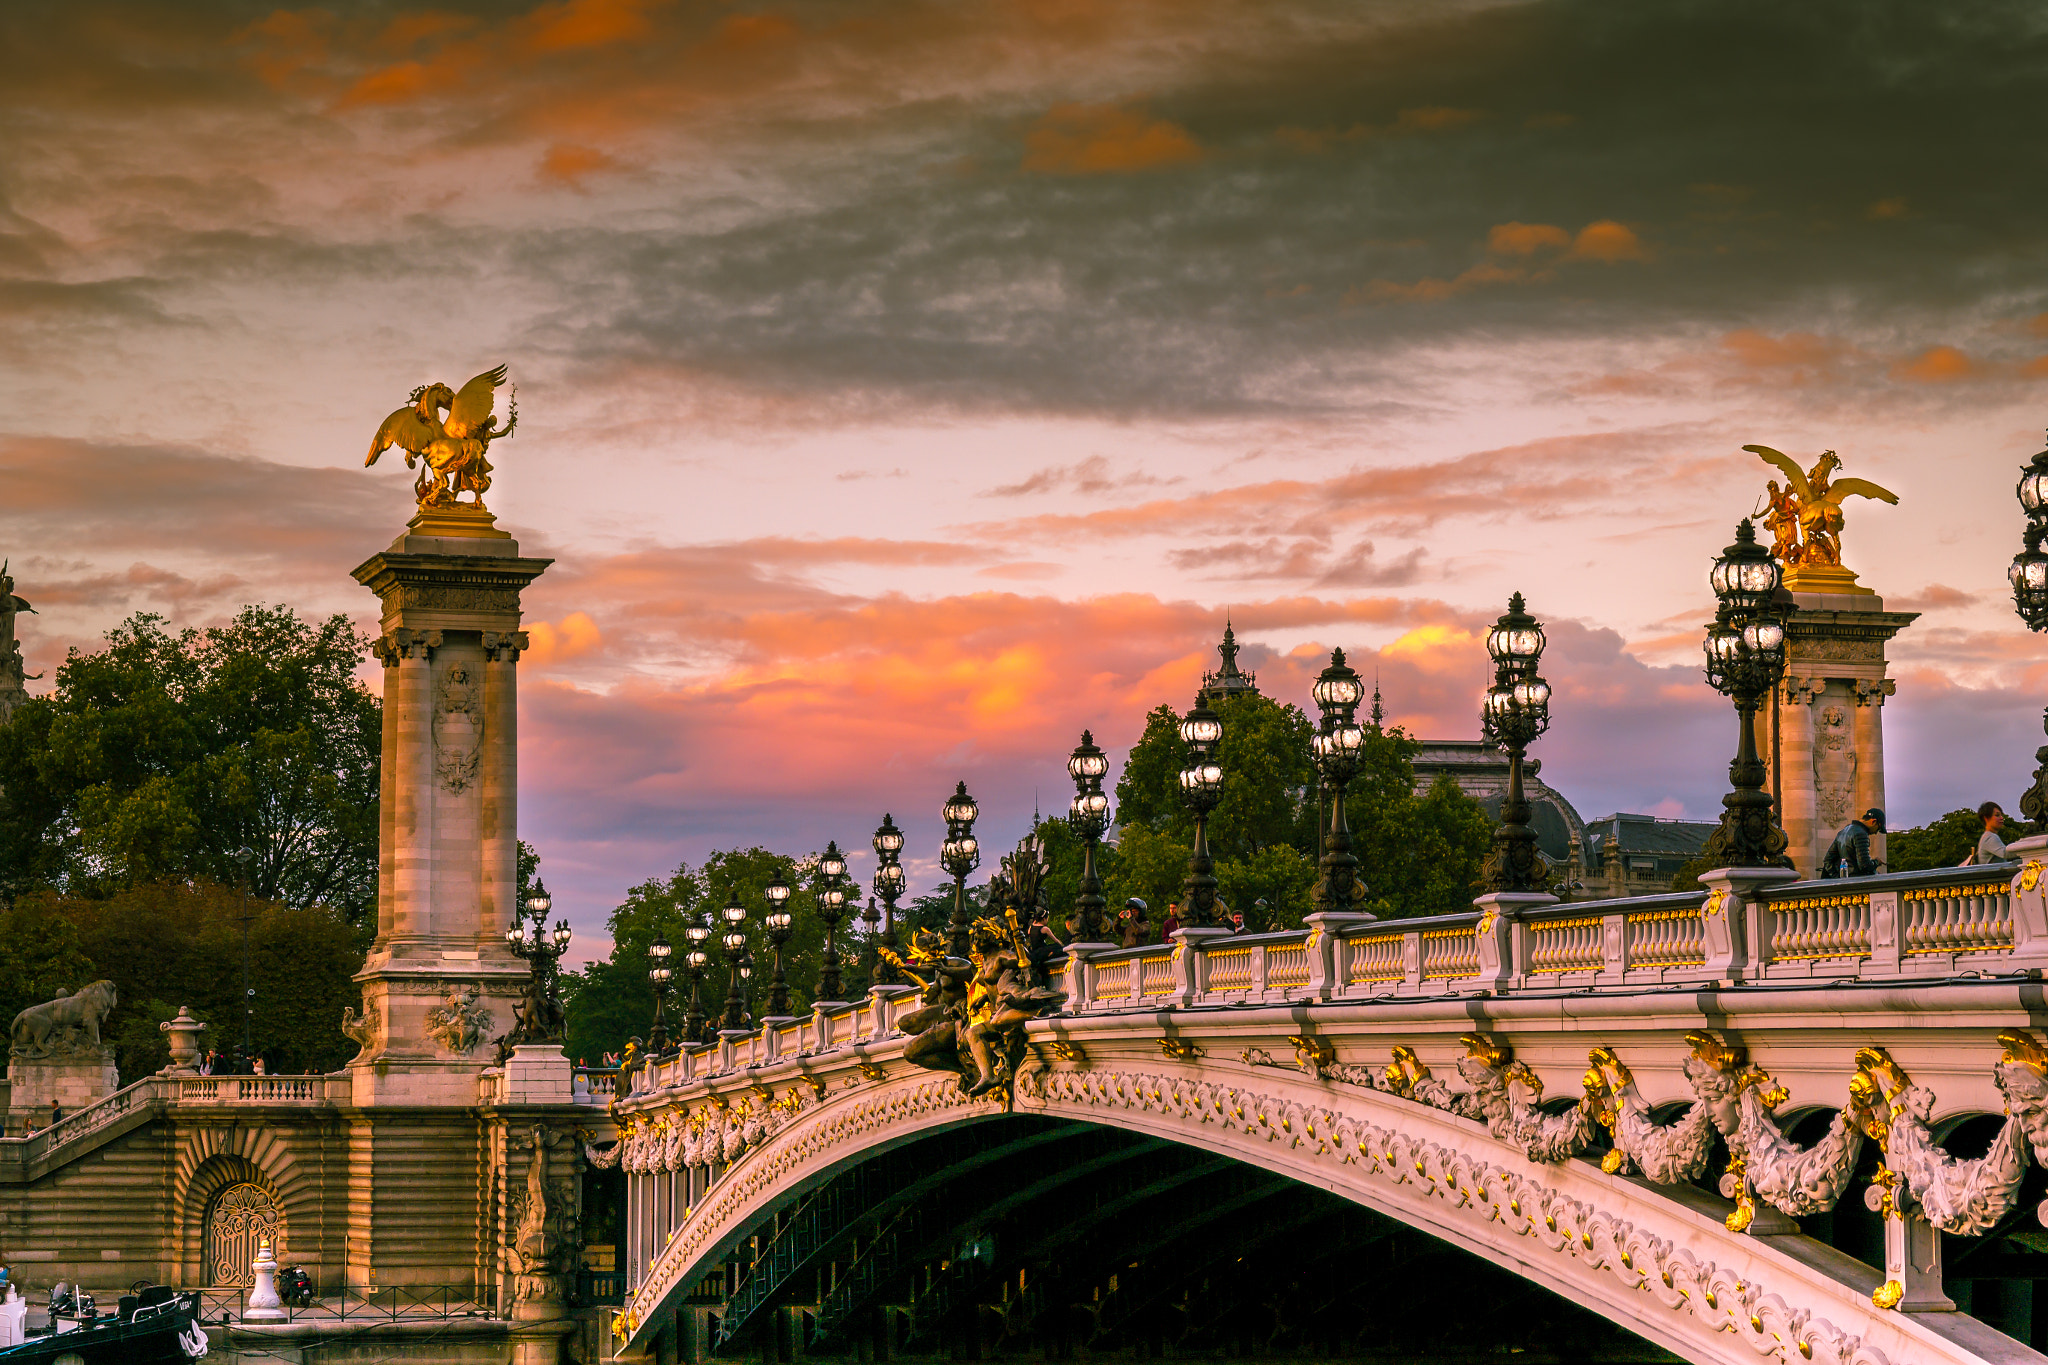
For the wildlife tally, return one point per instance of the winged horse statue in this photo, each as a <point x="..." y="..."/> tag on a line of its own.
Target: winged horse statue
<point x="1806" y="515"/>
<point x="450" y="450"/>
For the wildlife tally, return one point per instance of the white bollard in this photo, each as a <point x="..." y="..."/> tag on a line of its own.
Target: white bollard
<point x="13" y="1318"/>
<point x="264" y="1304"/>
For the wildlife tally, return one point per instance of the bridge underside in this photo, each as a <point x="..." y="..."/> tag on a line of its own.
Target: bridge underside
<point x="1057" y="1239"/>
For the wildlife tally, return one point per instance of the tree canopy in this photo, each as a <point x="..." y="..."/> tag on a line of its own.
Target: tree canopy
<point x="1420" y="852"/>
<point x="244" y="755"/>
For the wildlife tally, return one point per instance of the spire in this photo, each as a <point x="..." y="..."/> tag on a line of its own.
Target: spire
<point x="1378" y="712"/>
<point x="1227" y="681"/>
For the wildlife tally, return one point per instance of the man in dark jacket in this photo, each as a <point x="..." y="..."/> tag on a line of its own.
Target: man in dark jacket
<point x="1849" y="854"/>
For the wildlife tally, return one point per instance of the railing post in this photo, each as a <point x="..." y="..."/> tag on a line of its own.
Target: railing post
<point x="1887" y="935"/>
<point x="1411" y="959"/>
<point x="1325" y="950"/>
<point x="2030" y="897"/>
<point x="1731" y="920"/>
<point x="1081" y="975"/>
<point x="1499" y="924"/>
<point x="1614" y="945"/>
<point x="1190" y="965"/>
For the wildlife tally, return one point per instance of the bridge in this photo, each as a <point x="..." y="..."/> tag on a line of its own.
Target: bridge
<point x="1752" y="1122"/>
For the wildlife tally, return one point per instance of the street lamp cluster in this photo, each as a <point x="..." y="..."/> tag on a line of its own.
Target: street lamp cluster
<point x="2029" y="575"/>
<point x="1745" y="658"/>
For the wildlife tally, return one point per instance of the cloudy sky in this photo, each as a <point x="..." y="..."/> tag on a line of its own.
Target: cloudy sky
<point x="906" y="384"/>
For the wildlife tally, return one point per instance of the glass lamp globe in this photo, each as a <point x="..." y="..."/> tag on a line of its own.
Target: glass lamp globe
<point x="1532" y="693"/>
<point x="734" y="940"/>
<point x="1745" y="577"/>
<point x="561" y="933"/>
<point x="2033" y="491"/>
<point x="659" y="950"/>
<point x="888" y="839"/>
<point x="697" y="931"/>
<point x="832" y="864"/>
<point x="777" y="890"/>
<point x="890" y="877"/>
<point x="516" y="933"/>
<point x="660" y="976"/>
<point x="733" y="911"/>
<point x="833" y="898"/>
<point x="1337" y="687"/>
<point x="697" y="957"/>
<point x="1202" y="728"/>
<point x="538" y="902"/>
<point x="1087" y="761"/>
<point x="778" y="920"/>
<point x="961" y="810"/>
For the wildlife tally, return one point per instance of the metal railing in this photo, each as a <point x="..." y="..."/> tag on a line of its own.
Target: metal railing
<point x="395" y="1303"/>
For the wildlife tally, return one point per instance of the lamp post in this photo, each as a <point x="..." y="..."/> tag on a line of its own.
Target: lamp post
<point x="1517" y="710"/>
<point x="1089" y="818"/>
<point x="959" y="855"/>
<point x="1337" y="744"/>
<point x="2029" y="575"/>
<point x="693" y="1022"/>
<point x="540" y="1011"/>
<point x="1201" y="787"/>
<point x="832" y="906"/>
<point x="659" y="973"/>
<point x="777" y="892"/>
<point x="1745" y="655"/>
<point x="889" y="880"/>
<point x="735" y="941"/>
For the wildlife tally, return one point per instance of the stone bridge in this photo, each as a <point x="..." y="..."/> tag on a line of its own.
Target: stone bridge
<point x="1776" y="1109"/>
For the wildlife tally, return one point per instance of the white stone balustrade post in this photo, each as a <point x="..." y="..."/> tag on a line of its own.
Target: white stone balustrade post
<point x="1411" y="959"/>
<point x="2030" y="897"/>
<point x="1081" y="975"/>
<point x="1887" y="935"/>
<point x="1326" y="951"/>
<point x="1190" y="964"/>
<point x="1499" y="927"/>
<point x="1731" y="920"/>
<point x="264" y="1304"/>
<point x="1613" y="946"/>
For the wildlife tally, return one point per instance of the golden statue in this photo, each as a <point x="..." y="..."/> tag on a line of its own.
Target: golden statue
<point x="1804" y="518"/>
<point x="451" y="450"/>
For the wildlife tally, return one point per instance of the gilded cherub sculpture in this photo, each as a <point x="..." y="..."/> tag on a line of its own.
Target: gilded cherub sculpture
<point x="1805" y="516"/>
<point x="450" y="450"/>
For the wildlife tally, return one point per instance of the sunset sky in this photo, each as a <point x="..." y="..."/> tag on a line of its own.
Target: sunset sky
<point x="906" y="384"/>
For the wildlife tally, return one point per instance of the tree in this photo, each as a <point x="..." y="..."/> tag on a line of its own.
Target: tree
<point x="241" y="755"/>
<point x="612" y="1000"/>
<point x="1420" y="853"/>
<point x="168" y="944"/>
<point x="1942" y="842"/>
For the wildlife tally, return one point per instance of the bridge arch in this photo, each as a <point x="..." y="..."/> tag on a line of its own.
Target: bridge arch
<point x="1655" y="1260"/>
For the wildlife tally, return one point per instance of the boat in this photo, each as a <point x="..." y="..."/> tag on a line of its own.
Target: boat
<point x="156" y="1325"/>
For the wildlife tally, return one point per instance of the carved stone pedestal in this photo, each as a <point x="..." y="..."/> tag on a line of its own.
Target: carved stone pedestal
<point x="537" y="1073"/>
<point x="70" y="1081"/>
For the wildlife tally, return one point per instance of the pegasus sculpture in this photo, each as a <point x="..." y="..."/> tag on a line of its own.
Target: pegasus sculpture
<point x="449" y="450"/>
<point x="1805" y="515"/>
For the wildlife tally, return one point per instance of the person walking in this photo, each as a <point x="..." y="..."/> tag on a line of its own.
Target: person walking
<point x="1990" y="846"/>
<point x="1849" y="854"/>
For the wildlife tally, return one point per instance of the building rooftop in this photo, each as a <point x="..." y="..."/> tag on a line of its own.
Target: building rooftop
<point x="1228" y="681"/>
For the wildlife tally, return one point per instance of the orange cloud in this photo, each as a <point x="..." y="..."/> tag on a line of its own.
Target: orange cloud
<point x="568" y="164"/>
<point x="1525" y="239"/>
<point x="1887" y="208"/>
<point x="587" y="23"/>
<point x="1936" y="365"/>
<point x="575" y="635"/>
<point x="1431" y="289"/>
<point x="1435" y="119"/>
<point x="1091" y="139"/>
<point x="1608" y="240"/>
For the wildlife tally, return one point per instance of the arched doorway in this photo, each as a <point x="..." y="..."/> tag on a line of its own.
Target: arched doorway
<point x="240" y="1218"/>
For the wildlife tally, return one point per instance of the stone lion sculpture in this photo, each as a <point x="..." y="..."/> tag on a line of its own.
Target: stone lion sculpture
<point x="72" y="1020"/>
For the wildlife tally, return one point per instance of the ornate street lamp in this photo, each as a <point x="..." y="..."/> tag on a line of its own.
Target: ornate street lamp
<point x="1201" y="787"/>
<point x="959" y="855"/>
<point x="778" y="920"/>
<point x="540" y="1010"/>
<point x="832" y="907"/>
<point x="1517" y="710"/>
<point x="1745" y="656"/>
<point x="1337" y="744"/>
<point x="889" y="881"/>
<point x="2029" y="575"/>
<point x="694" y="1021"/>
<point x="735" y="941"/>
<point x="1089" y="818"/>
<point x="660" y="974"/>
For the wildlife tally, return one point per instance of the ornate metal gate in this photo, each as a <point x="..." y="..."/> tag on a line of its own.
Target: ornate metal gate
<point x="241" y="1217"/>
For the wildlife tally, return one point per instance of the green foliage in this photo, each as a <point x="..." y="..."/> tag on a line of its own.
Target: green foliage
<point x="168" y="944"/>
<point x="1420" y="853"/>
<point x="610" y="1001"/>
<point x="1943" y="842"/>
<point x="243" y="755"/>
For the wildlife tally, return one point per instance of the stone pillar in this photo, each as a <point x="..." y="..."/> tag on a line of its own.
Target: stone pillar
<point x="1827" y="758"/>
<point x="1790" y="749"/>
<point x="447" y="866"/>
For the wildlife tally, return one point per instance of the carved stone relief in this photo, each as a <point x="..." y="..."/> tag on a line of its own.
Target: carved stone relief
<point x="458" y="729"/>
<point x="363" y="1028"/>
<point x="458" y="1023"/>
<point x="1834" y="765"/>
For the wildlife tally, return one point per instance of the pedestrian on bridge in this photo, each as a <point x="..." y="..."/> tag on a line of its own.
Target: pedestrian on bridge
<point x="1137" y="929"/>
<point x="1990" y="847"/>
<point x="1849" y="854"/>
